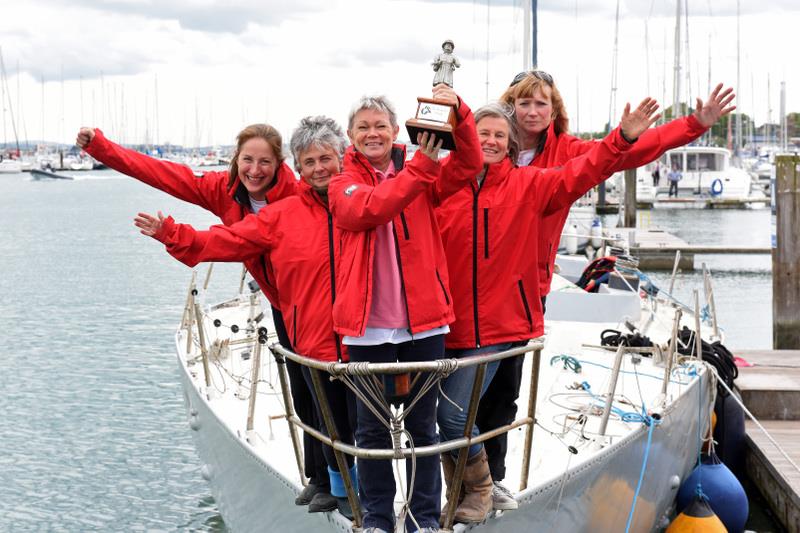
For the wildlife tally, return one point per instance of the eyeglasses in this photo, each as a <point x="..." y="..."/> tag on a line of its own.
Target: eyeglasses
<point x="538" y="74"/>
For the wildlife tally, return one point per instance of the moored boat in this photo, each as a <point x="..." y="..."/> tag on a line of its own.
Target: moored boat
<point x="593" y="465"/>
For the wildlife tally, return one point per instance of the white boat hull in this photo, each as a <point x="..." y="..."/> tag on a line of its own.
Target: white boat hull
<point x="254" y="475"/>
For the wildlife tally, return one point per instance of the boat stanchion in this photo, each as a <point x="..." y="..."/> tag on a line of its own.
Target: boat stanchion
<point x="333" y="436"/>
<point x="612" y="388"/>
<point x="674" y="271"/>
<point x="188" y="310"/>
<point x="290" y="415"/>
<point x="254" y="377"/>
<point x="453" y="492"/>
<point x="241" y="279"/>
<point x="709" y="290"/>
<point x="673" y="350"/>
<point x="533" y="394"/>
<point x="208" y="276"/>
<point x="698" y="341"/>
<point x="198" y="315"/>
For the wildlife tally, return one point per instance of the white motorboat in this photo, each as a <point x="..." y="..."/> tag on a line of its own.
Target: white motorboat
<point x="10" y="166"/>
<point x="581" y="477"/>
<point x="707" y="176"/>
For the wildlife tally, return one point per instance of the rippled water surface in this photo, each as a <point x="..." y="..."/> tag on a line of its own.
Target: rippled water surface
<point x="93" y="434"/>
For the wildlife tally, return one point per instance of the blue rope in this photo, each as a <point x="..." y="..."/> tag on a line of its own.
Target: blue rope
<point x="651" y="423"/>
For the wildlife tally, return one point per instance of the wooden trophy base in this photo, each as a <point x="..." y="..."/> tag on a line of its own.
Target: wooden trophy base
<point x="436" y="117"/>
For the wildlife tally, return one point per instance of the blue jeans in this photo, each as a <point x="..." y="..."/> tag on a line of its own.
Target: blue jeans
<point x="376" y="478"/>
<point x="458" y="387"/>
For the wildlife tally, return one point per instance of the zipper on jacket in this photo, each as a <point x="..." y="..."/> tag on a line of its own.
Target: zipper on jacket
<point x="294" y="328"/>
<point x="402" y="279"/>
<point x="441" y="284"/>
<point x="525" y="303"/>
<point x="486" y="232"/>
<point x="333" y="278"/>
<point x="549" y="253"/>
<point x="405" y="224"/>
<point x="475" y="192"/>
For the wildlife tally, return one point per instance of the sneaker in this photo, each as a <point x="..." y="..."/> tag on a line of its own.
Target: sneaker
<point x="428" y="530"/>
<point x="307" y="494"/>
<point x="374" y="530"/>
<point x="502" y="499"/>
<point x="322" y="502"/>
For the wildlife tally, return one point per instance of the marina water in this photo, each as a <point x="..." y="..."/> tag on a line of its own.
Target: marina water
<point x="93" y="432"/>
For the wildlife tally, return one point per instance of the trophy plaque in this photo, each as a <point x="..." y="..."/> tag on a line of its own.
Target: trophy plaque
<point x="434" y="116"/>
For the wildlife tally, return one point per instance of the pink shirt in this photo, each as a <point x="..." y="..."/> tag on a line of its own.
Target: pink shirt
<point x="388" y="308"/>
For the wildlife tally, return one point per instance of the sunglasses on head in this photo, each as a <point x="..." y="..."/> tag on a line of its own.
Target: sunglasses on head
<point x="538" y="74"/>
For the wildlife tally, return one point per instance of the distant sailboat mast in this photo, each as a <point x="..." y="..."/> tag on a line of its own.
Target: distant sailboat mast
<point x="612" y="103"/>
<point x="676" y="79"/>
<point x="530" y="58"/>
<point x="738" y="139"/>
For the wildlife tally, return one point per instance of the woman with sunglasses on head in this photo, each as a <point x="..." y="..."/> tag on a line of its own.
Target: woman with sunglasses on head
<point x="257" y="176"/>
<point x="488" y="231"/>
<point x="543" y="126"/>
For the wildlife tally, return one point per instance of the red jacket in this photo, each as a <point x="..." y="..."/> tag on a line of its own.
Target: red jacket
<point x="488" y="232"/>
<point x="359" y="204"/>
<point x="298" y="238"/>
<point x="558" y="149"/>
<point x="209" y="191"/>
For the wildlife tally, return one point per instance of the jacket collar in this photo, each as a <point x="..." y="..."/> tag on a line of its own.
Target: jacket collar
<point x="309" y="196"/>
<point x="497" y="172"/>
<point x="546" y="143"/>
<point x="353" y="156"/>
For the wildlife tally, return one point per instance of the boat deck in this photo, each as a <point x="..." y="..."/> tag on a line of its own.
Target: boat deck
<point x="771" y="391"/>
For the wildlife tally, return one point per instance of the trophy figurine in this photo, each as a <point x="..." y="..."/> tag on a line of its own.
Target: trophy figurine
<point x="435" y="116"/>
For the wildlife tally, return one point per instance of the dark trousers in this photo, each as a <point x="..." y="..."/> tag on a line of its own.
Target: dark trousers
<point x="673" y="186"/>
<point x="375" y="476"/>
<point x="314" y="464"/>
<point x="342" y="403"/>
<point x="498" y="408"/>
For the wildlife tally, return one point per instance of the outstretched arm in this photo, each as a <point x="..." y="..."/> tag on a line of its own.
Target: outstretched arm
<point x="557" y="188"/>
<point x="466" y="162"/>
<point x="172" y="178"/>
<point x="678" y="132"/>
<point x="248" y="238"/>
<point x="357" y="206"/>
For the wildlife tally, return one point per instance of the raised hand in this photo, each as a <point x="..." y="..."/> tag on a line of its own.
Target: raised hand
<point x="636" y="122"/>
<point x="85" y="136"/>
<point x="148" y="224"/>
<point x="716" y="106"/>
<point x="444" y="92"/>
<point x="429" y="146"/>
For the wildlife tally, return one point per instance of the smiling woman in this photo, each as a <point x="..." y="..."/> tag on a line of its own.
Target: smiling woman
<point x="258" y="176"/>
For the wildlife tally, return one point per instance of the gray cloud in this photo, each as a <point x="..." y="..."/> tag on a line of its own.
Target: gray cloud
<point x="217" y="17"/>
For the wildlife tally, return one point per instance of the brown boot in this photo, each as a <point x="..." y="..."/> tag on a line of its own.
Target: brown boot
<point x="449" y="467"/>
<point x="477" y="500"/>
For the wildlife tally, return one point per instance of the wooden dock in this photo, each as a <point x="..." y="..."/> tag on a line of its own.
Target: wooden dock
<point x="771" y="391"/>
<point x="656" y="249"/>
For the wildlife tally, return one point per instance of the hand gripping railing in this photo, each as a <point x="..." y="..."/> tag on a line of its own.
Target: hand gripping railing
<point x="350" y="373"/>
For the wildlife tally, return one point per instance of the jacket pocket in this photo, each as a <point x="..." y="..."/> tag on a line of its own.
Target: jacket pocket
<point x="525" y="303"/>
<point x="486" y="232"/>
<point x="441" y="284"/>
<point x="547" y="259"/>
<point x="405" y="225"/>
<point x="294" y="328"/>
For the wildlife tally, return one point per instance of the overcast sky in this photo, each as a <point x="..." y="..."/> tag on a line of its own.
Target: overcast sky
<point x="197" y="71"/>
